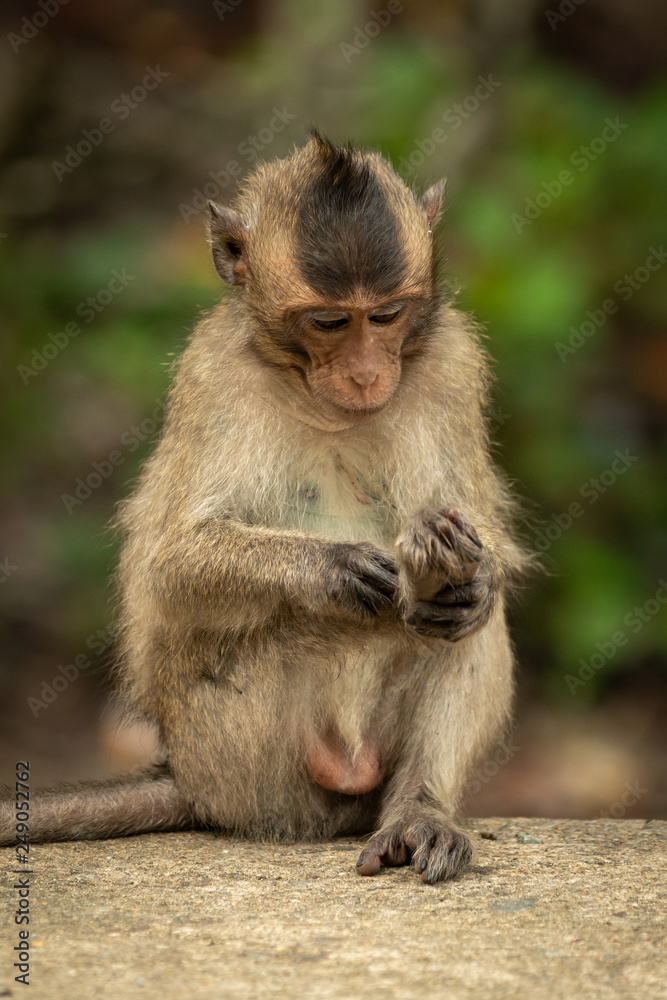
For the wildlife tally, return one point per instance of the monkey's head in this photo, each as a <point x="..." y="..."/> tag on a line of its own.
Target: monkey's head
<point x="334" y="258"/>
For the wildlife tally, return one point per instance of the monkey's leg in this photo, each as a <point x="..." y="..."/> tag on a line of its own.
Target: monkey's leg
<point x="457" y="705"/>
<point x="144" y="802"/>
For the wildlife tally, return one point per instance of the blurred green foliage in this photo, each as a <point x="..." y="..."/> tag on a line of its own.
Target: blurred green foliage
<point x="559" y="421"/>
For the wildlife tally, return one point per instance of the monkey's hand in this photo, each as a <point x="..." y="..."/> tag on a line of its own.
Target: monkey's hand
<point x="447" y="585"/>
<point x="456" y="611"/>
<point x="436" y="849"/>
<point x="438" y="547"/>
<point x="363" y="578"/>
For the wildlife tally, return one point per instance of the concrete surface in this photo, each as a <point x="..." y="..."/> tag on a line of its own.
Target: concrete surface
<point x="581" y="914"/>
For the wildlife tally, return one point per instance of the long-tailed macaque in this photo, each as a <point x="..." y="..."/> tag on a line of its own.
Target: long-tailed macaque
<point x="317" y="556"/>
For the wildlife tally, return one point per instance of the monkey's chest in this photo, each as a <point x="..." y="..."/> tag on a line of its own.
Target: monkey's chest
<point x="337" y="500"/>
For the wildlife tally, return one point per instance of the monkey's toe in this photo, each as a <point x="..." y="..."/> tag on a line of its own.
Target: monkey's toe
<point x="438" y="852"/>
<point x="368" y="863"/>
<point x="387" y="848"/>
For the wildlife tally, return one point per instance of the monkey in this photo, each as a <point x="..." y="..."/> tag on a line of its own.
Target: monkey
<point x="317" y="558"/>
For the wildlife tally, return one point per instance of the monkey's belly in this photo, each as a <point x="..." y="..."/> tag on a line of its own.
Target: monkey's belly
<point x="330" y="764"/>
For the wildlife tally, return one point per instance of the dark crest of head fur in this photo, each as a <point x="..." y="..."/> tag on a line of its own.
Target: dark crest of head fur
<point x="348" y="236"/>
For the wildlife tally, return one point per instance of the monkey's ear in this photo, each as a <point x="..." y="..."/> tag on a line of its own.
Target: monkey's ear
<point x="228" y="242"/>
<point x="432" y="202"/>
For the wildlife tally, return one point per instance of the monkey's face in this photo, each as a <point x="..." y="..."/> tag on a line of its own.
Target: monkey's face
<point x="335" y="260"/>
<point x="350" y="356"/>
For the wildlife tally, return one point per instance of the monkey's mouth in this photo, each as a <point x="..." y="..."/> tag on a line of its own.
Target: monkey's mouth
<point x="358" y="412"/>
<point x="358" y="406"/>
<point x="346" y="404"/>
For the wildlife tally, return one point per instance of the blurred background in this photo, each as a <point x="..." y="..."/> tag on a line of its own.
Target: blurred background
<point x="118" y="120"/>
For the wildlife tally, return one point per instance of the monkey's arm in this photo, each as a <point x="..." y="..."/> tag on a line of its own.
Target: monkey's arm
<point x="241" y="575"/>
<point x="461" y="550"/>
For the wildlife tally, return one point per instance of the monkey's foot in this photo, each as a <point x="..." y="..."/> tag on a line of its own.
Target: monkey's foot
<point x="437" y="851"/>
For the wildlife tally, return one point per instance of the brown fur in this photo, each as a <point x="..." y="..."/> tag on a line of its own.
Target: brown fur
<point x="250" y="632"/>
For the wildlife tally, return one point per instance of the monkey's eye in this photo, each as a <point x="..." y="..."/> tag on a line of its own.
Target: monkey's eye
<point x="385" y="316"/>
<point x="329" y="321"/>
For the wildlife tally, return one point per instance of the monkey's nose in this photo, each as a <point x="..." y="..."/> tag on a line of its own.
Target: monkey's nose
<point x="367" y="394"/>
<point x="365" y="379"/>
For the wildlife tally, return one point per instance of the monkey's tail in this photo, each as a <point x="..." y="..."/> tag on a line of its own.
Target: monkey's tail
<point x="142" y="802"/>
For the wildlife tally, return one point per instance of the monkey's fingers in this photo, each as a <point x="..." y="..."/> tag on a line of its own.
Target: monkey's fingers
<point x="464" y="526"/>
<point x="364" y="578"/>
<point x="369" y="561"/>
<point x="428" y="612"/>
<point x="448" y="622"/>
<point x="378" y="556"/>
<point x="376" y="574"/>
<point x="464" y="543"/>
<point x="377" y="578"/>
<point x="466" y="594"/>
<point x="368" y="599"/>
